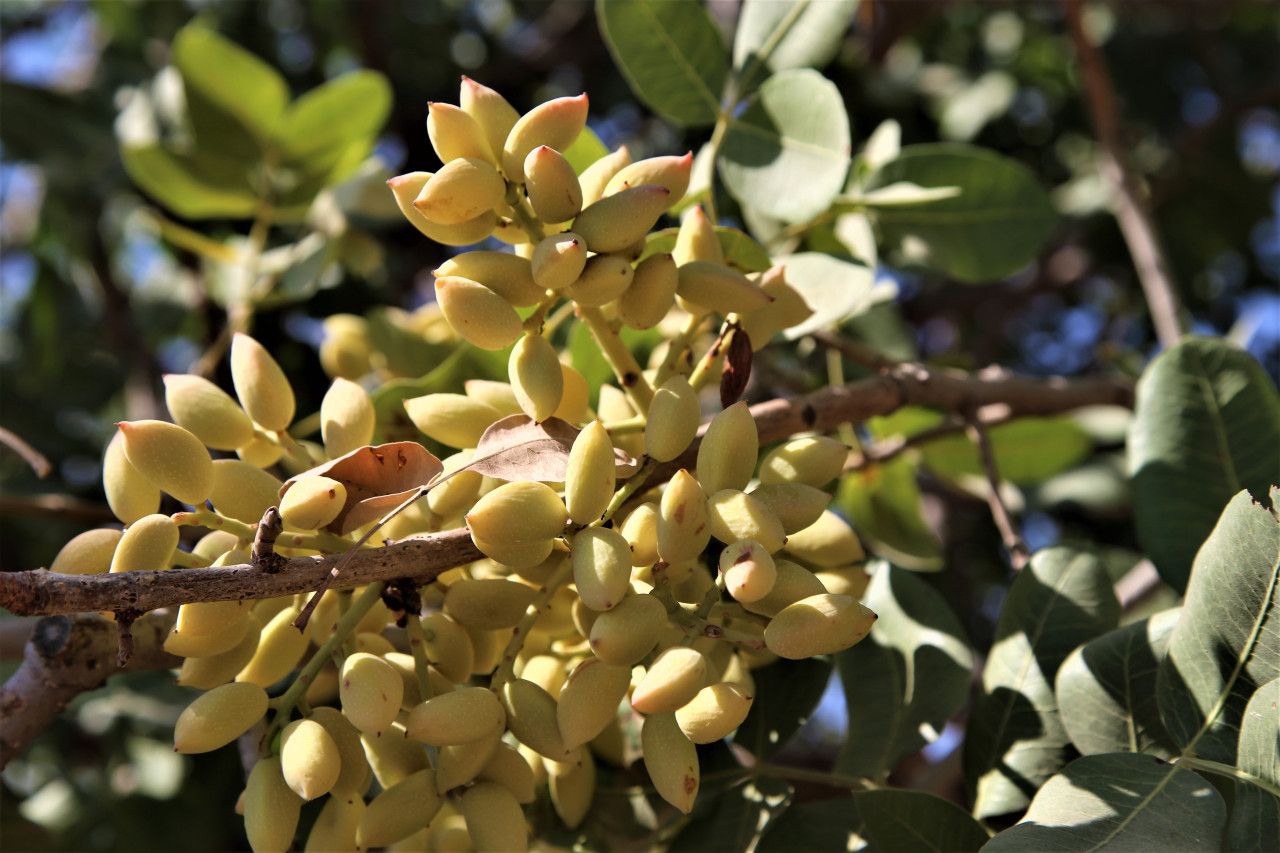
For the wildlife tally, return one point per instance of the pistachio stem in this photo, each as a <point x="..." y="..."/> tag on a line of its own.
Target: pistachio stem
<point x="541" y="601"/>
<point x="418" y="645"/>
<point x="629" y="373"/>
<point x="360" y="606"/>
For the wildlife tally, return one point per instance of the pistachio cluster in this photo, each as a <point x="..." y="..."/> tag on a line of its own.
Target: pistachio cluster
<point x="605" y="604"/>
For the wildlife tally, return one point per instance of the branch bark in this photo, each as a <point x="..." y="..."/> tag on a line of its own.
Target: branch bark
<point x="40" y="592"/>
<point x="1131" y="209"/>
<point x="1019" y="554"/>
<point x="65" y="657"/>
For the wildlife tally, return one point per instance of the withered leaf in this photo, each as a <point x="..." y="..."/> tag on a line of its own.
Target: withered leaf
<point x="517" y="448"/>
<point x="377" y="478"/>
<point x="737" y="368"/>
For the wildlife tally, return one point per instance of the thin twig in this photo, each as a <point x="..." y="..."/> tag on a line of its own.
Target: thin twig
<point x="34" y="458"/>
<point x="1131" y="209"/>
<point x="63" y="506"/>
<point x="891" y="448"/>
<point x="1019" y="554"/>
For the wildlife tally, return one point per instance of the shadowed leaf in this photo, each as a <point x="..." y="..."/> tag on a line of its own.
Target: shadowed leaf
<point x="1119" y="801"/>
<point x="1107" y="689"/>
<point x="1016" y="739"/>
<point x="1206" y="424"/>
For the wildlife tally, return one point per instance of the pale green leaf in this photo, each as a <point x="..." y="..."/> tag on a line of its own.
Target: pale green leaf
<point x="836" y="290"/>
<point x="1119" y="802"/>
<point x="901" y="194"/>
<point x="993" y="228"/>
<point x="773" y="35"/>
<point x="671" y="54"/>
<point x="1016" y="738"/>
<point x="1258" y="750"/>
<point x="906" y="679"/>
<point x="1107" y="689"/>
<point x="191" y="188"/>
<point x="1206" y="425"/>
<point x="787" y="154"/>
<point x="1228" y="639"/>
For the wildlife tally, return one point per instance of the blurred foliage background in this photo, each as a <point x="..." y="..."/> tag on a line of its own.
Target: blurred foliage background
<point x="96" y="304"/>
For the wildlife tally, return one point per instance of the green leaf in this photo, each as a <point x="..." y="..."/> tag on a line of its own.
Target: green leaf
<point x="787" y="691"/>
<point x="787" y="154"/>
<point x="1027" y="451"/>
<point x="1258" y="750"/>
<point x="774" y="35"/>
<point x="1206" y="425"/>
<point x="1253" y="816"/>
<point x="1107" y="689"/>
<point x="901" y="194"/>
<point x="836" y="290"/>
<point x="883" y="501"/>
<point x="739" y="248"/>
<point x="223" y="81"/>
<point x="190" y="187"/>
<point x="815" y="826"/>
<point x="322" y="126"/>
<point x="1016" y="739"/>
<point x="585" y="150"/>
<point x="1099" y="486"/>
<point x="991" y="230"/>
<point x="671" y="54"/>
<point x="388" y="399"/>
<point x="1121" y="801"/>
<point x="1226" y="643"/>
<point x="916" y="822"/>
<point x="906" y="679"/>
<point x="734" y="819"/>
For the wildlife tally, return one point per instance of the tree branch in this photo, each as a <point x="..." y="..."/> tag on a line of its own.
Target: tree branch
<point x="423" y="558"/>
<point x="65" y="657"/>
<point x="1019" y="554"/>
<point x="1131" y="209"/>
<point x="64" y="506"/>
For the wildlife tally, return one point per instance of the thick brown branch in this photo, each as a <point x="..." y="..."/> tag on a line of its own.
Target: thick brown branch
<point x="40" y="592"/>
<point x="1131" y="208"/>
<point x="65" y="657"/>
<point x="422" y="558"/>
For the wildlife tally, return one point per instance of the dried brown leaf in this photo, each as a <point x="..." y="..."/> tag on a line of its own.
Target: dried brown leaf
<point x="377" y="479"/>
<point x="517" y="448"/>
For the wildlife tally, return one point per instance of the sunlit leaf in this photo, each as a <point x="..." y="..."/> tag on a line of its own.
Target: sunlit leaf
<point x="1226" y="643"/>
<point x="773" y="35"/>
<point x="1119" y="801"/>
<point x="671" y="54"/>
<point x="787" y="154"/>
